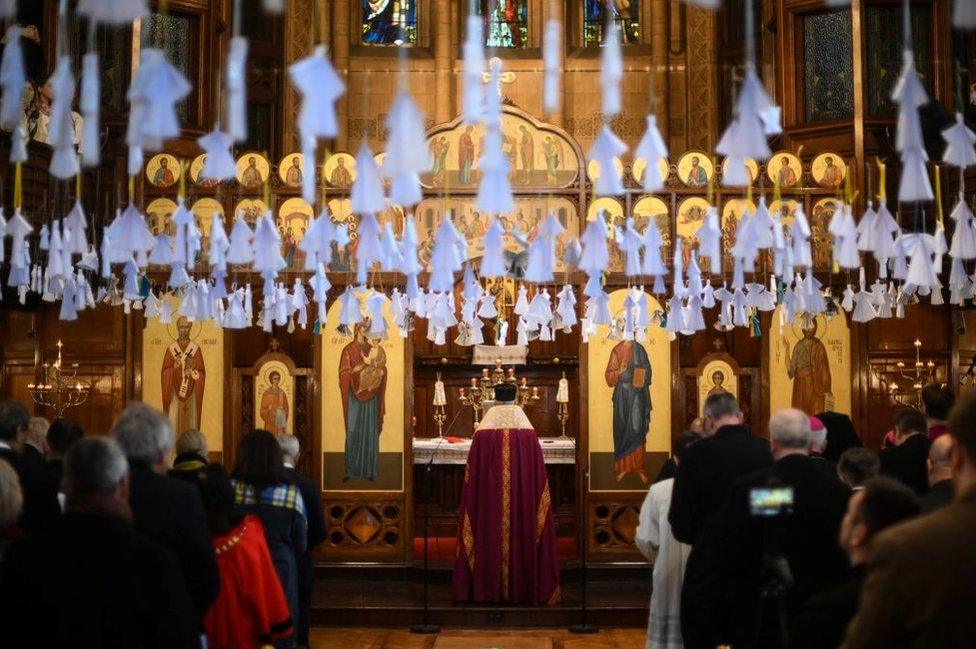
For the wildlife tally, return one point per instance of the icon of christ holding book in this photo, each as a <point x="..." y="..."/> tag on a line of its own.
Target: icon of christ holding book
<point x="629" y="374"/>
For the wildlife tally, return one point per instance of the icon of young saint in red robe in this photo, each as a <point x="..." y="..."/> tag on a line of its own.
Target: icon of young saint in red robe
<point x="274" y="406"/>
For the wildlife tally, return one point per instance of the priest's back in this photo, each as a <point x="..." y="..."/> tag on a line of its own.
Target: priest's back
<point x="506" y="535"/>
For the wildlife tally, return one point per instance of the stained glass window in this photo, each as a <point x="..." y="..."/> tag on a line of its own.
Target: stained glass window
<point x="828" y="59"/>
<point x="389" y="22"/>
<point x="506" y="23"/>
<point x="883" y="53"/>
<point x="173" y="33"/>
<point x="625" y="14"/>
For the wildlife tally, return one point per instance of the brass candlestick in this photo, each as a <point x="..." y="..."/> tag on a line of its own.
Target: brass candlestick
<point x="482" y="389"/>
<point x="562" y="404"/>
<point x="440" y="405"/>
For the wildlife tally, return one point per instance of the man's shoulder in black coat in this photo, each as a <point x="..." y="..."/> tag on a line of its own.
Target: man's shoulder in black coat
<point x="41" y="509"/>
<point x="94" y="582"/>
<point x="311" y="494"/>
<point x="906" y="462"/>
<point x="170" y="511"/>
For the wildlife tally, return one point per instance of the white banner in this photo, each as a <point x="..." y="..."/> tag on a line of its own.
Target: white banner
<point x="507" y="354"/>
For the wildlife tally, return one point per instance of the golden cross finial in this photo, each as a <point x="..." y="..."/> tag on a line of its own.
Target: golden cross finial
<point x="504" y="77"/>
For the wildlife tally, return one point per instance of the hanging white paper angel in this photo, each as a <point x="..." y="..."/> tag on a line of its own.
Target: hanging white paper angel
<point x="964" y="235"/>
<point x="960" y="141"/>
<point x="611" y="71"/>
<point x="606" y="148"/>
<point x="407" y="153"/>
<point x="90" y="106"/>
<point x="493" y="260"/>
<point x="218" y="164"/>
<point x="552" y="51"/>
<point x="61" y="134"/>
<point x="321" y="87"/>
<point x="366" y="195"/>
<point x="153" y="94"/>
<point x="241" y="248"/>
<point x="236" y="82"/>
<point x="652" y="148"/>
<point x="474" y="67"/>
<point x="113" y="12"/>
<point x="13" y="78"/>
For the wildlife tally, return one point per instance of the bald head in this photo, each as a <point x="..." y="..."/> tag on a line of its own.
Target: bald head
<point x="939" y="462"/>
<point x="789" y="431"/>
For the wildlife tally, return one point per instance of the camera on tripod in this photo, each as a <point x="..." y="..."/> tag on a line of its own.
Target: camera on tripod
<point x="771" y="501"/>
<point x="772" y="505"/>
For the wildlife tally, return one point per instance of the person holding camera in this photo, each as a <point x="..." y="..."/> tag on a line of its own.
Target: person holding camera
<point x="704" y="476"/>
<point x="781" y="525"/>
<point x="880" y="503"/>
<point x="921" y="574"/>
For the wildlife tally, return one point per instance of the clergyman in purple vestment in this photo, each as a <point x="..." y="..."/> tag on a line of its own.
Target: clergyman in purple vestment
<point x="506" y="550"/>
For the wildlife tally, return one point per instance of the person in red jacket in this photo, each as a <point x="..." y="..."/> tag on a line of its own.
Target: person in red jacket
<point x="250" y="610"/>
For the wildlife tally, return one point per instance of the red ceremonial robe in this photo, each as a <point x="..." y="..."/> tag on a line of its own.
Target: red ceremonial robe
<point x="506" y="550"/>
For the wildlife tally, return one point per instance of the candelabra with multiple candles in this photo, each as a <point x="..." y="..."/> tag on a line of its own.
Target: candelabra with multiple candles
<point x="919" y="374"/>
<point x="61" y="388"/>
<point x="481" y="393"/>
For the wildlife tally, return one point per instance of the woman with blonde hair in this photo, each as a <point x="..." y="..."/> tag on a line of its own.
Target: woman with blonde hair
<point x="11" y="504"/>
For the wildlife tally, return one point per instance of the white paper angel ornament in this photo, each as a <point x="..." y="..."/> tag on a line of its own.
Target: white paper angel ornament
<point x="473" y="92"/>
<point x="236" y="84"/>
<point x="964" y="235"/>
<point x="61" y="134"/>
<point x="652" y="148"/>
<point x="606" y="148"/>
<point x="960" y="141"/>
<point x="13" y="78"/>
<point x="219" y="161"/>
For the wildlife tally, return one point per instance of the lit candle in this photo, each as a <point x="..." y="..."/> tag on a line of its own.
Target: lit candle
<point x="562" y="392"/>
<point x="440" y="396"/>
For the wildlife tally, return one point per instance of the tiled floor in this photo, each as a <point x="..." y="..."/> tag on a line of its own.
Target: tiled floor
<point x="475" y="639"/>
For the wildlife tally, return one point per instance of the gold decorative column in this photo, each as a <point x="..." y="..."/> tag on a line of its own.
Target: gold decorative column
<point x="340" y="59"/>
<point x="444" y="86"/>
<point x="299" y="41"/>
<point x="659" y="68"/>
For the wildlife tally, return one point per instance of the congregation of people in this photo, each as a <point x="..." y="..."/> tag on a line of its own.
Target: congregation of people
<point x="135" y="539"/>
<point x="107" y="541"/>
<point x="861" y="550"/>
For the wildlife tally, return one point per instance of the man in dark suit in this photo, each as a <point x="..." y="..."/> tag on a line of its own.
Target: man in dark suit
<point x="938" y="401"/>
<point x="167" y="510"/>
<point x="41" y="510"/>
<point x="818" y="443"/>
<point x="312" y="496"/>
<point x="941" y="488"/>
<point x="60" y="438"/>
<point x="921" y="578"/>
<point x="704" y="476"/>
<point x="93" y="581"/>
<point x="880" y="503"/>
<point x="806" y="538"/>
<point x="905" y="460"/>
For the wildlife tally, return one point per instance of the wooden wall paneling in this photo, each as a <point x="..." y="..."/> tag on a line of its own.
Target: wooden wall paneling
<point x="929" y="324"/>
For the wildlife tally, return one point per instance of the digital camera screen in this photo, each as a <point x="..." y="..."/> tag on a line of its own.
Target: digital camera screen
<point x="771" y="501"/>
